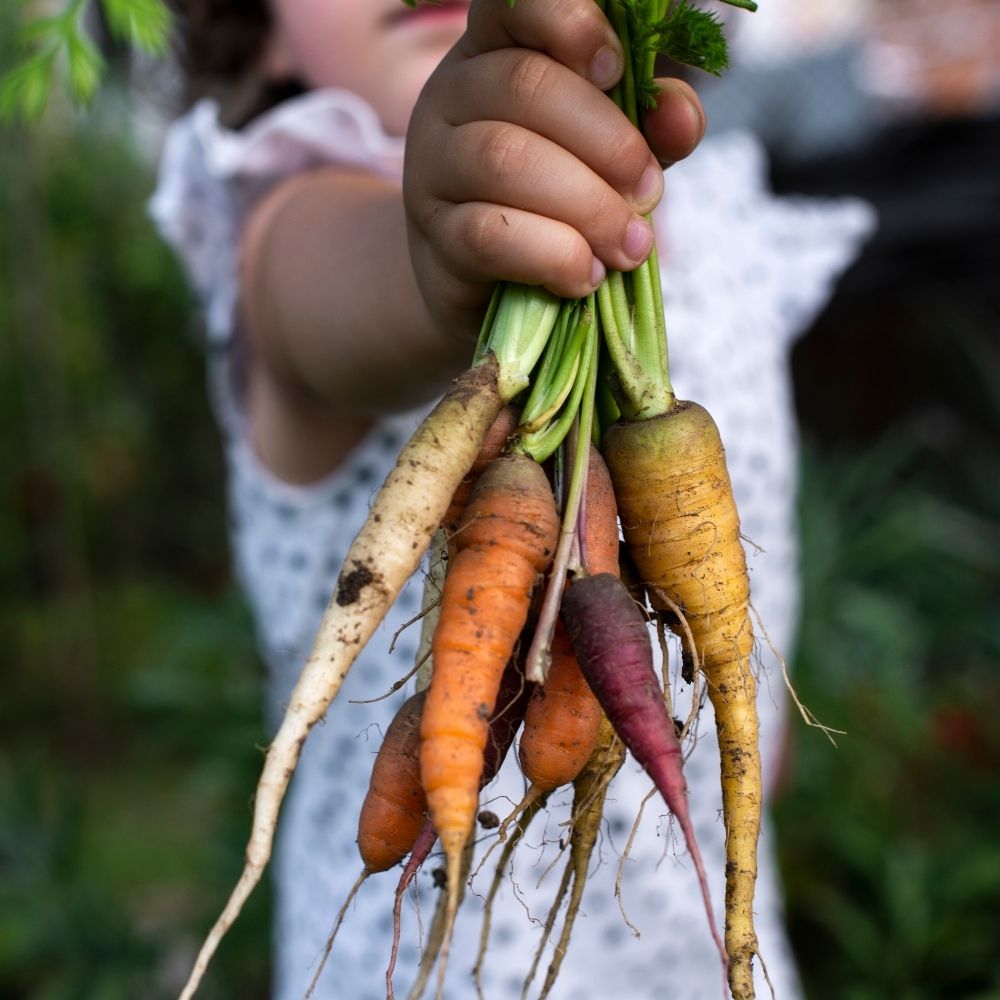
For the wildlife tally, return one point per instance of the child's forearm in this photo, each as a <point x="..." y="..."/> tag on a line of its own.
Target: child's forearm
<point x="330" y="302"/>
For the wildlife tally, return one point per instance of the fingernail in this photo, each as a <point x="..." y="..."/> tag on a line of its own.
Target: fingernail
<point x="605" y="68"/>
<point x="638" y="240"/>
<point x="597" y="272"/>
<point x="693" y="102"/>
<point x="650" y="187"/>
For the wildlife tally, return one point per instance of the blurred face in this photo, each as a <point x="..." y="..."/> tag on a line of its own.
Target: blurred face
<point x="382" y="50"/>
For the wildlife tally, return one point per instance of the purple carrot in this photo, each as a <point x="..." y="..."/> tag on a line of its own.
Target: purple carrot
<point x="611" y="643"/>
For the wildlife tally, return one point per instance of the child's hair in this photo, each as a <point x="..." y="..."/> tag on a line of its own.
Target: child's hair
<point x="219" y="47"/>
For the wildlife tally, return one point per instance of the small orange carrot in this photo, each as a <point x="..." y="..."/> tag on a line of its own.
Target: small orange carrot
<point x="560" y="725"/>
<point x="394" y="811"/>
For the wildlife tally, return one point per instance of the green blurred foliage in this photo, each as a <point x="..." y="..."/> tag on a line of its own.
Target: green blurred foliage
<point x="891" y="865"/>
<point x="51" y="46"/>
<point x="131" y="698"/>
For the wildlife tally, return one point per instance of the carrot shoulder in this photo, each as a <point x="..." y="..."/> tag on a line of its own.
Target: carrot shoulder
<point x="491" y="448"/>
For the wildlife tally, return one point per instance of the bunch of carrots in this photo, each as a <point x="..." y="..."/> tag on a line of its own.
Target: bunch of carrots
<point x="564" y="427"/>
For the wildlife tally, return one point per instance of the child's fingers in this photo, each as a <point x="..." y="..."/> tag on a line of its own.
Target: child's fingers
<point x="677" y="124"/>
<point x="533" y="91"/>
<point x="484" y="243"/>
<point x="505" y="164"/>
<point x="573" y="32"/>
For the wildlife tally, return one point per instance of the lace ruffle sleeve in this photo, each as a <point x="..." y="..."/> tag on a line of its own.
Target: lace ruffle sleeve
<point x="209" y="175"/>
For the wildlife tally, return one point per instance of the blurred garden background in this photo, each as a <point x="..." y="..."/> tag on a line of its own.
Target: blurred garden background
<point x="130" y="698"/>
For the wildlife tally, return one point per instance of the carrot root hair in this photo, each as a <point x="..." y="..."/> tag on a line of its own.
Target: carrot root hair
<point x="421" y="851"/>
<point x="589" y="793"/>
<point x="328" y="947"/>
<point x="550" y="922"/>
<point x="520" y="811"/>
<point x="523" y="822"/>
<point x="394" y="810"/>
<point x="437" y="936"/>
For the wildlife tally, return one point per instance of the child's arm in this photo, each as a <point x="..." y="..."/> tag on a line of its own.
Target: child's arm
<point x="518" y="168"/>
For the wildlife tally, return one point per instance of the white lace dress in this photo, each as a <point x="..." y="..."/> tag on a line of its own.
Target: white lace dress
<point x="744" y="272"/>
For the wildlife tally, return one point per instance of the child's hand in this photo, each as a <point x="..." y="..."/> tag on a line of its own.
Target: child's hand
<point x="519" y="168"/>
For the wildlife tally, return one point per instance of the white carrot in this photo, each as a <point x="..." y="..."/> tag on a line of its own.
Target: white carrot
<point x="403" y="519"/>
<point x="402" y="522"/>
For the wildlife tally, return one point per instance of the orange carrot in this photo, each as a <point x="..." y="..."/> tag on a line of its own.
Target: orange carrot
<point x="560" y="725"/>
<point x="442" y="548"/>
<point x="505" y="540"/>
<point x="394" y="809"/>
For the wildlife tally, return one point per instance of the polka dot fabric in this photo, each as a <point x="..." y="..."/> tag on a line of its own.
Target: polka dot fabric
<point x="743" y="273"/>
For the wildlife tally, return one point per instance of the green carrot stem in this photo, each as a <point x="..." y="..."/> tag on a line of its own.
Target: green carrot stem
<point x="523" y="320"/>
<point x="544" y="441"/>
<point x="650" y="327"/>
<point x="552" y="381"/>
<point x="491" y="312"/>
<point x="606" y="409"/>
<point x="632" y="309"/>
<point x="618" y="16"/>
<point x="633" y="381"/>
